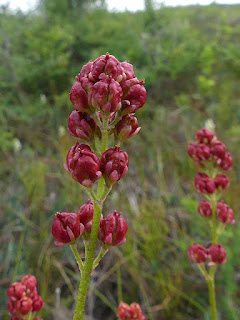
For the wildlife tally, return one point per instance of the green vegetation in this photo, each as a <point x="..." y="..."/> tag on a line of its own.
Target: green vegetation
<point x="190" y="59"/>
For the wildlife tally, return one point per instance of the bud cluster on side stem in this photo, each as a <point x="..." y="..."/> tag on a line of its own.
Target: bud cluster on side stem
<point x="211" y="156"/>
<point x="105" y="96"/>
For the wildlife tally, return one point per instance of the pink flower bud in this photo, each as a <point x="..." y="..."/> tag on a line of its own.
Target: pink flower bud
<point x="83" y="164"/>
<point x="79" y="98"/>
<point x="16" y="291"/>
<point x="108" y="65"/>
<point x="199" y="151"/>
<point x="205" y="209"/>
<point x="84" y="77"/>
<point x="23" y="306"/>
<point x="66" y="228"/>
<point x="205" y="136"/>
<point x="113" y="229"/>
<point x="221" y="181"/>
<point x="128" y="70"/>
<point x="86" y="215"/>
<point x="204" y="184"/>
<point x="37" y="303"/>
<point x="127" y="127"/>
<point x="114" y="165"/>
<point x="225" y="213"/>
<point x="81" y="125"/>
<point x="218" y="149"/>
<point x="30" y="282"/>
<point x="106" y="95"/>
<point x="135" y="97"/>
<point x="132" y="312"/>
<point x="197" y="253"/>
<point x="217" y="254"/>
<point x="226" y="162"/>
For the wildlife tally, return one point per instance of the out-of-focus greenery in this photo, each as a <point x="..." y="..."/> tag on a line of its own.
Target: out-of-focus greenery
<point x="190" y="59"/>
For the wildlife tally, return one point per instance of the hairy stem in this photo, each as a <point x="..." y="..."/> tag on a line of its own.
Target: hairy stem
<point x="77" y="257"/>
<point x="212" y="299"/>
<point x="101" y="254"/>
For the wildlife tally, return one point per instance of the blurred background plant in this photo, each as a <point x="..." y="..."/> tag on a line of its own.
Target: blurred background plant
<point x="189" y="58"/>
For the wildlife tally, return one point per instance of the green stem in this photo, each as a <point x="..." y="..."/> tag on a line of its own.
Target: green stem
<point x="105" y="134"/>
<point x="212" y="299"/>
<point x="77" y="257"/>
<point x="101" y="254"/>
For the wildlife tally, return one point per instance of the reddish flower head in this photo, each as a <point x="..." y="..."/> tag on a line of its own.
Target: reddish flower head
<point x="86" y="215"/>
<point x="218" y="149"/>
<point x="83" y="164"/>
<point x="217" y="254"/>
<point x="37" y="303"/>
<point x="199" y="151"/>
<point x="16" y="291"/>
<point x="226" y="162"/>
<point x="30" y="282"/>
<point x="127" y="127"/>
<point x="221" y="181"/>
<point x="134" y="95"/>
<point x="114" y="165"/>
<point x="205" y="136"/>
<point x="132" y="312"/>
<point x="106" y="65"/>
<point x="81" y="125"/>
<point x="78" y="97"/>
<point x="128" y="70"/>
<point x="204" y="184"/>
<point x="106" y="95"/>
<point x="22" y="307"/>
<point x="205" y="209"/>
<point x="197" y="253"/>
<point x="66" y="228"/>
<point x="225" y="213"/>
<point x="113" y="229"/>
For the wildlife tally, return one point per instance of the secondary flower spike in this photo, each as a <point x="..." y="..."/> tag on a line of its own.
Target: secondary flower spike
<point x="205" y="209"/>
<point x="66" y="228"/>
<point x="132" y="312"/>
<point x="83" y="164"/>
<point x="204" y="184"/>
<point x="114" y="165"/>
<point x="113" y="229"/>
<point x="225" y="213"/>
<point x="82" y="125"/>
<point x="217" y="254"/>
<point x="127" y="127"/>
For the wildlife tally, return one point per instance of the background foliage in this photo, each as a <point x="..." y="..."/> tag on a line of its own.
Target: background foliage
<point x="190" y="59"/>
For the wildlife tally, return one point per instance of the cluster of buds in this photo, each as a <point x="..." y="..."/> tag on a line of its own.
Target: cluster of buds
<point x="216" y="254"/>
<point x="209" y="149"/>
<point x="130" y="312"/>
<point x="23" y="299"/>
<point x="68" y="227"/>
<point x="211" y="155"/>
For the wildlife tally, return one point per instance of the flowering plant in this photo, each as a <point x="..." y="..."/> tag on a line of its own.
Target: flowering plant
<point x="211" y="156"/>
<point x="106" y="96"/>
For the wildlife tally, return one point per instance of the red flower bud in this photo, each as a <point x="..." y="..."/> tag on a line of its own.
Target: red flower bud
<point x="79" y="98"/>
<point x="204" y="184"/>
<point x="221" y="181"/>
<point x="37" y="303"/>
<point x="67" y="228"/>
<point x="106" y="95"/>
<point x="225" y="213"/>
<point x="199" y="151"/>
<point x="217" y="254"/>
<point x="83" y="164"/>
<point x="86" y="215"/>
<point x="127" y="127"/>
<point x="16" y="291"/>
<point x="30" y="282"/>
<point x="205" y="209"/>
<point x="205" y="136"/>
<point x="135" y="97"/>
<point x="113" y="229"/>
<point x="226" y="162"/>
<point x="23" y="306"/>
<point x="132" y="312"/>
<point x="86" y="69"/>
<point x="81" y="125"/>
<point x="114" y="165"/>
<point x="128" y="70"/>
<point x="218" y="149"/>
<point x="197" y="253"/>
<point x="108" y="65"/>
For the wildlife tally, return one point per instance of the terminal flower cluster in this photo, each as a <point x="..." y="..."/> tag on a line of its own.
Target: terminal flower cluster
<point x="23" y="299"/>
<point x="105" y="97"/>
